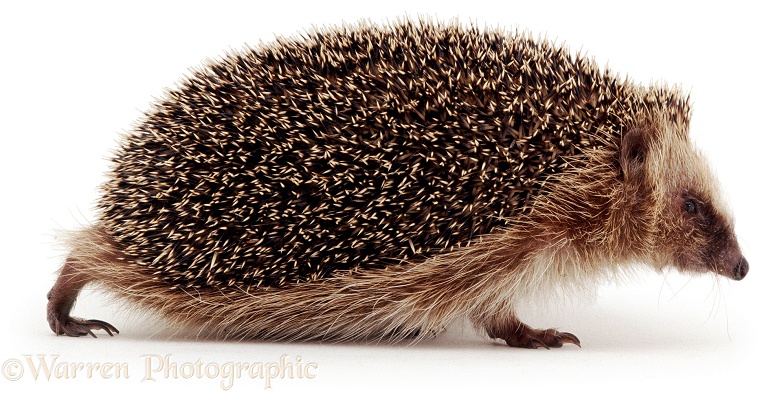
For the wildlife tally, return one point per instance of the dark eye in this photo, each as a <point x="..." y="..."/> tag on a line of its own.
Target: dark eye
<point x="690" y="206"/>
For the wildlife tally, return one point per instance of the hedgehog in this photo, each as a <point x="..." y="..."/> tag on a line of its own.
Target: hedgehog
<point x="379" y="182"/>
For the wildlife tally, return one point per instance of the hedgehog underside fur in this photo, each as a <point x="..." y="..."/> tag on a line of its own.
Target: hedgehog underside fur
<point x="367" y="182"/>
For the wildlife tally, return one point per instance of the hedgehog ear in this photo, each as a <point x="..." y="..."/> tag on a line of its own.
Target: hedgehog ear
<point x="633" y="152"/>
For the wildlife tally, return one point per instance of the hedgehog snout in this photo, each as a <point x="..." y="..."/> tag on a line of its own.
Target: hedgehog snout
<point x="741" y="269"/>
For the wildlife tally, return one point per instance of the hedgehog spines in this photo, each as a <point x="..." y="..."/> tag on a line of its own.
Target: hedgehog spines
<point x="420" y="144"/>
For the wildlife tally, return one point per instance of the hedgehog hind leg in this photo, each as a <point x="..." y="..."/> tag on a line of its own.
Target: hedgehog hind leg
<point x="62" y="297"/>
<point x="518" y="334"/>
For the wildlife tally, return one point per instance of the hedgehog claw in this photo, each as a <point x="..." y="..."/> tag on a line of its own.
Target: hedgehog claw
<point x="568" y="338"/>
<point x="76" y="327"/>
<point x="555" y="339"/>
<point x="538" y="344"/>
<point x="524" y="336"/>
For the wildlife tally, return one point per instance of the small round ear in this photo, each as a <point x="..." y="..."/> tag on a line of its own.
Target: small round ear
<point x="635" y="146"/>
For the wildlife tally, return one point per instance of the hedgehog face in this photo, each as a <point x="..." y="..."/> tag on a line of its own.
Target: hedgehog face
<point x="692" y="230"/>
<point x="700" y="237"/>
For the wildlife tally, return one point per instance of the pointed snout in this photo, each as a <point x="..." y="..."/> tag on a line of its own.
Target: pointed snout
<point x="741" y="269"/>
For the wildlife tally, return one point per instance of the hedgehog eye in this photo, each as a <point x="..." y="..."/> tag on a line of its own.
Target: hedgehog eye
<point x="690" y="206"/>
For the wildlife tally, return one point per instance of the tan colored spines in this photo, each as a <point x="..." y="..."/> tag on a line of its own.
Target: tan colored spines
<point x="352" y="148"/>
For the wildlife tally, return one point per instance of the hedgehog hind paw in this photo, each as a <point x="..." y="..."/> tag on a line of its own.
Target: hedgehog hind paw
<point x="61" y="298"/>
<point x="76" y="327"/>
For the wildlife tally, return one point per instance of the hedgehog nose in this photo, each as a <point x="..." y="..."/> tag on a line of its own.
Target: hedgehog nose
<point x="741" y="269"/>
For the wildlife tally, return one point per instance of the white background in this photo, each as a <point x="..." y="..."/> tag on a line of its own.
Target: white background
<point x="76" y="75"/>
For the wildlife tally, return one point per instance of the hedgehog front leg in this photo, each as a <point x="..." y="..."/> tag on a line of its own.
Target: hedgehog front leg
<point x="62" y="297"/>
<point x="519" y="334"/>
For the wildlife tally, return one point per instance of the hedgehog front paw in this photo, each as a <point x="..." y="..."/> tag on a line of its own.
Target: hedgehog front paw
<point x="523" y="336"/>
<point x="549" y="338"/>
<point x="75" y="327"/>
